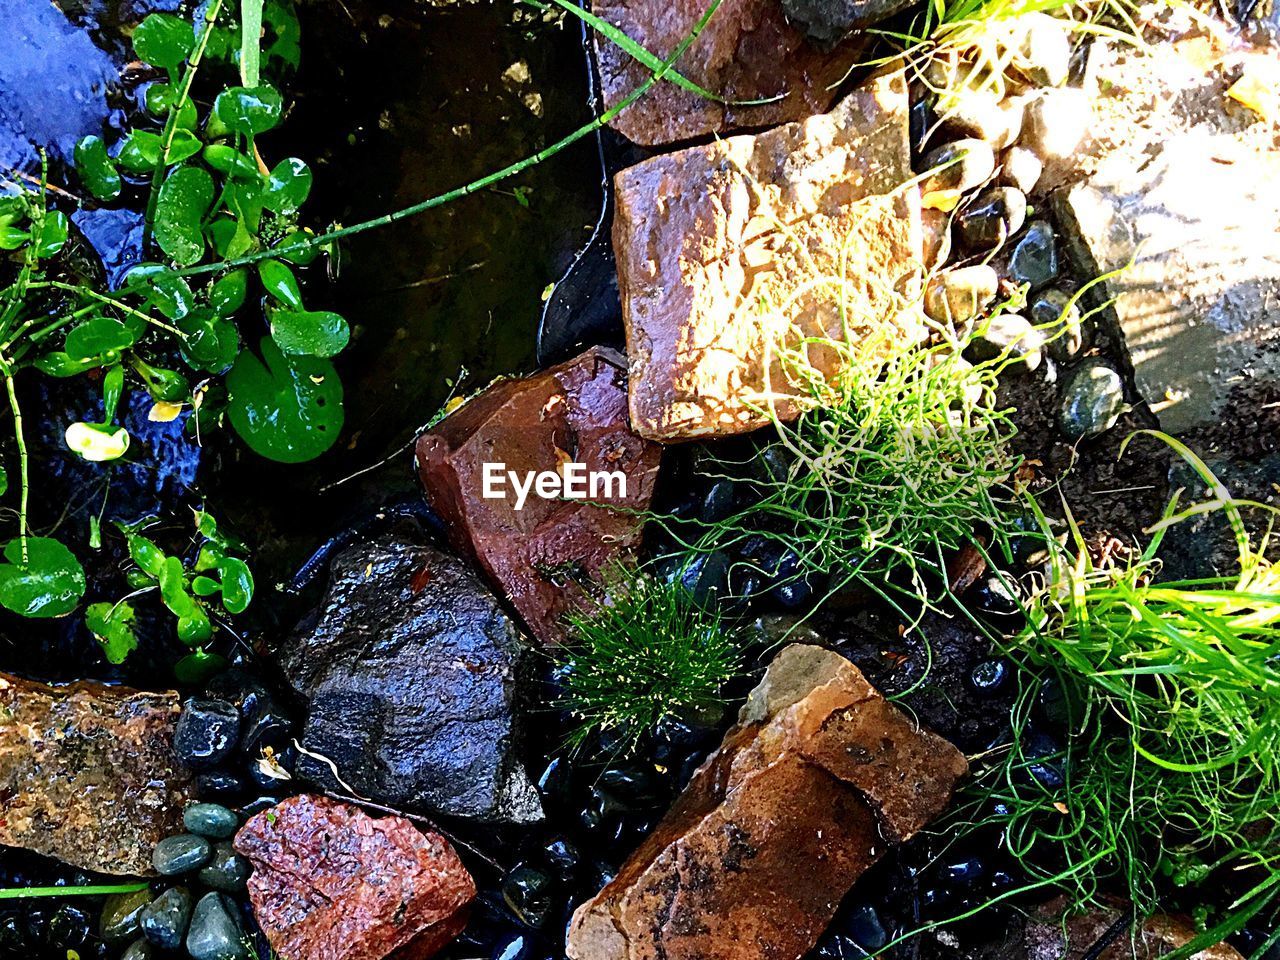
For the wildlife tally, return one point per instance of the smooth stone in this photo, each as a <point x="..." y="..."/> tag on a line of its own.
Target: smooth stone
<point x="218" y="785"/>
<point x="1055" y="122"/>
<point x="527" y="893"/>
<point x="957" y="296"/>
<point x="207" y="732"/>
<point x="990" y="676"/>
<point x="562" y="855"/>
<point x="982" y="115"/>
<point x="706" y="576"/>
<point x="215" y="932"/>
<point x="993" y="597"/>
<point x="1035" y="256"/>
<point x="164" y="921"/>
<point x="226" y="870"/>
<point x="211" y="820"/>
<point x="1007" y="333"/>
<point x="1044" y="53"/>
<point x="119" y="920"/>
<point x="959" y="166"/>
<point x="992" y="218"/>
<point x="864" y="925"/>
<point x="1059" y="320"/>
<point x="69" y="927"/>
<point x="1092" y="401"/>
<point x="180" y="854"/>
<point x="718" y="502"/>
<point x="138" y="950"/>
<point x="1021" y="168"/>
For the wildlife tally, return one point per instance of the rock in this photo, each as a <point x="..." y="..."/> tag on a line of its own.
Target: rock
<point x="1008" y="333"/>
<point x="958" y="166"/>
<point x="215" y="932"/>
<point x="1092" y="400"/>
<point x="701" y="247"/>
<point x="411" y="672"/>
<point x="1043" y="55"/>
<point x="827" y="22"/>
<point x="1021" y="168"/>
<point x="957" y="296"/>
<point x="331" y="882"/>
<point x="818" y="778"/>
<point x="210" y="820"/>
<point x="120" y="788"/>
<point x="993" y="216"/>
<point x="226" y="871"/>
<point x="1055" y="122"/>
<point x="138" y="950"/>
<point x="543" y="553"/>
<point x="1059" y="321"/>
<point x="982" y="115"/>
<point x="748" y="51"/>
<point x="120" y="912"/>
<point x="208" y="731"/>
<point x="936" y="228"/>
<point x="1048" y="937"/>
<point x="1035" y="256"/>
<point x="1183" y="185"/>
<point x="180" y="854"/>
<point x="528" y="894"/>
<point x="164" y="921"/>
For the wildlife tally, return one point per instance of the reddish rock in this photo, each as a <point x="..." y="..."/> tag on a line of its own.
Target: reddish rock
<point x="818" y="778"/>
<point x="331" y="882"/>
<point x="1046" y="938"/>
<point x="748" y="51"/>
<point x="88" y="773"/>
<point x="542" y="555"/>
<point x="731" y="251"/>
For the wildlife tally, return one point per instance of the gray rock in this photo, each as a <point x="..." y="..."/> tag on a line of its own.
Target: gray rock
<point x="215" y="932"/>
<point x="412" y="672"/>
<point x="827" y="22"/>
<point x="961" y="165"/>
<point x="1055" y="122"/>
<point x="120" y="911"/>
<point x="1092" y="401"/>
<point x="226" y="870"/>
<point x="180" y="854"/>
<point x="164" y="920"/>
<point x="1059" y="320"/>
<point x="992" y="218"/>
<point x="1008" y="333"/>
<point x="1034" y="260"/>
<point x="1021" y="168"/>
<point x="211" y="820"/>
<point x="138" y="950"/>
<point x="957" y="296"/>
<point x="982" y="115"/>
<point x="1044" y="51"/>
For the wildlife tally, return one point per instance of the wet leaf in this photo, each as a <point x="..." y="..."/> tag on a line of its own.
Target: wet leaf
<point x="101" y="339"/>
<point x="300" y="256"/>
<point x="230" y="161"/>
<point x="203" y="586"/>
<point x="248" y="110"/>
<point x="48" y="583"/>
<point x="227" y="293"/>
<point x="53" y="234"/>
<point x="149" y="558"/>
<point x="98" y="442"/>
<point x="280" y="282"/>
<point x="96" y="169"/>
<point x="112" y="387"/>
<point x="184" y="198"/>
<point x="314" y="333"/>
<point x="162" y="411"/>
<point x="163" y="40"/>
<point x="11" y="238"/>
<point x="112" y="626"/>
<point x="164" y="289"/>
<point x="288" y="186"/>
<point x="229" y="237"/>
<point x="197" y="667"/>
<point x="60" y="364"/>
<point x="287" y="409"/>
<point x="211" y="343"/>
<point x="4" y="481"/>
<point x="140" y="151"/>
<point x="237" y="584"/>
<point x="165" y="386"/>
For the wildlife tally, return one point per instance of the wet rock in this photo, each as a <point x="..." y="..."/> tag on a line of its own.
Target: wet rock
<point x="120" y="912"/>
<point x="411" y="672"/>
<point x="527" y="892"/>
<point x="331" y="882"/>
<point x="819" y="776"/>
<point x="1021" y="168"/>
<point x="1043" y="54"/>
<point x="164" y="921"/>
<point x="957" y="296"/>
<point x="1092" y="401"/>
<point x="1055" y="122"/>
<point x="1048" y="937"/>
<point x="1060" y="322"/>
<point x="992" y="217"/>
<point x="226" y="870"/>
<point x="982" y="115"/>
<point x="138" y="950"/>
<point x="959" y="166"/>
<point x="748" y="51"/>
<point x="207" y="733"/>
<point x="702" y="249"/>
<point x="215" y="932"/>
<point x="218" y="785"/>
<point x="990" y="676"/>
<point x="210" y="820"/>
<point x="1175" y="179"/>
<point x="1035" y="256"/>
<point x="827" y="22"/>
<point x="1008" y="333"/>
<point x="180" y="854"/>
<point x="544" y="552"/>
<point x="120" y="788"/>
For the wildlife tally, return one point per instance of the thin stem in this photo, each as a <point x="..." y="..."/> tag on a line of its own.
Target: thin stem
<point x="92" y="890"/>
<point x="110" y="301"/>
<point x="22" y="453"/>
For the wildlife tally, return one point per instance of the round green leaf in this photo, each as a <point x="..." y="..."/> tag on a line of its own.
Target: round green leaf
<point x="112" y="626"/>
<point x="248" y="110"/>
<point x="227" y="293"/>
<point x="280" y="282"/>
<point x="100" y="339"/>
<point x="164" y="289"/>
<point x="98" y="442"/>
<point x="210" y="343"/>
<point x="164" y="40"/>
<point x="237" y="584"/>
<point x="286" y="408"/>
<point x="203" y="586"/>
<point x="185" y="195"/>
<point x="314" y="333"/>
<point x="53" y="234"/>
<point x="60" y="364"/>
<point x="48" y="583"/>
<point x="96" y="169"/>
<point x="197" y="667"/>
<point x="230" y="161"/>
<point x="288" y="186"/>
<point x="140" y="151"/>
<point x="163" y="384"/>
<point x="299" y="254"/>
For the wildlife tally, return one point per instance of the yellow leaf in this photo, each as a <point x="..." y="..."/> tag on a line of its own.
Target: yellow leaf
<point x="162" y="411"/>
<point x="944" y="200"/>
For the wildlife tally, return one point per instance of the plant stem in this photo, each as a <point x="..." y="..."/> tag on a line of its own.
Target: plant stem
<point x="22" y="453"/>
<point x="466" y="189"/>
<point x="20" y="893"/>
<point x="109" y="301"/>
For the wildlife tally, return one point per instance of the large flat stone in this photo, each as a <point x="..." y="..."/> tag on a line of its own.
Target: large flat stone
<point x="88" y="773"/>
<point x="544" y="555"/>
<point x="748" y="51"/>
<point x="1049" y="936"/>
<point x="1182" y="182"/>
<point x="818" y="778"/>
<point x="730" y="250"/>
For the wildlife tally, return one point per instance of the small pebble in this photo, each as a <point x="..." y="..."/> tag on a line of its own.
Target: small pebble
<point x="980" y="114"/>
<point x="555" y="782"/>
<point x="864" y="925"/>
<point x="958" y="166"/>
<point x="527" y="893"/>
<point x="69" y="927"/>
<point x="164" y="921"/>
<point x="1092" y="401"/>
<point x="1055" y="122"/>
<point x="138" y="950"/>
<point x="207" y="732"/>
<point x="562" y="855"/>
<point x="966" y="871"/>
<point x="1035" y="256"/>
<point x="958" y="296"/>
<point x="119" y="919"/>
<point x="1044" y="55"/>
<point x="218" y="785"/>
<point x="993" y="217"/>
<point x="1059" y="319"/>
<point x="226" y="870"/>
<point x="1007" y="334"/>
<point x="180" y="854"/>
<point x="706" y="576"/>
<point x="1021" y="168"/>
<point x="993" y="596"/>
<point x="210" y="820"/>
<point x="215" y="932"/>
<point x="990" y="676"/>
<point x="718" y="502"/>
<point x="516" y="947"/>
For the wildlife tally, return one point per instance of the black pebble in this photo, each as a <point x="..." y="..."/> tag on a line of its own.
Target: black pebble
<point x="218" y="785"/>
<point x="527" y="893"/>
<point x="69" y="927"/>
<point x="207" y="732"/>
<point x="990" y="676"/>
<point x="562" y="855"/>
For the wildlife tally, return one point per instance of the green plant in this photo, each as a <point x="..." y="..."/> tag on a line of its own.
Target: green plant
<point x="646" y="653"/>
<point x="87" y="890"/>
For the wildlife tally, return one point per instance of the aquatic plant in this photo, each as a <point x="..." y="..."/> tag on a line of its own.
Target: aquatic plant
<point x="646" y="653"/>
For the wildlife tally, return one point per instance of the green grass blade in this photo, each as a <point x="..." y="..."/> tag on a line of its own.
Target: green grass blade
<point x="250" y="41"/>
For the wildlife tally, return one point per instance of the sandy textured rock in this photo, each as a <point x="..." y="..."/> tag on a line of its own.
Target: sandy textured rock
<point x="748" y="51"/>
<point x="331" y="882"/>
<point x="1046" y="938"/>
<point x="88" y="773"/>
<point x="730" y="250"/>
<point x="541" y="555"/>
<point x="818" y="778"/>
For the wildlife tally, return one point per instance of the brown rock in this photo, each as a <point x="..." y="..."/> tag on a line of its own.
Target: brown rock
<point x="542" y="555"/>
<point x="748" y="51"/>
<point x="88" y="773"/>
<point x="818" y="778"/>
<point x="331" y="882"/>
<point x="1047" y="939"/>
<point x="730" y="250"/>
